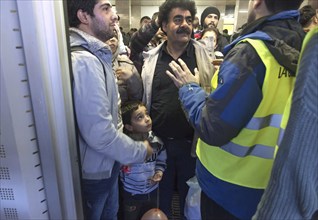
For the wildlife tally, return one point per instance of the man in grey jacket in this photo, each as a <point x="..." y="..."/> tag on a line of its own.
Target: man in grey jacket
<point x="96" y="100"/>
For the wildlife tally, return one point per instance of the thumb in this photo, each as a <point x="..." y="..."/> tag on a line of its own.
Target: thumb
<point x="196" y="72"/>
<point x="197" y="75"/>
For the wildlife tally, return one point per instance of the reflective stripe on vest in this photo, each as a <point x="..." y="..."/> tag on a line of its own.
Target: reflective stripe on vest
<point x="259" y="123"/>
<point x="257" y="150"/>
<point x="248" y="158"/>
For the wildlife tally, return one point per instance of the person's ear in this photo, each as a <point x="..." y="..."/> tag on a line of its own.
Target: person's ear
<point x="82" y="16"/>
<point x="260" y="8"/>
<point x="315" y="19"/>
<point x="257" y="3"/>
<point x="129" y="127"/>
<point x="164" y="26"/>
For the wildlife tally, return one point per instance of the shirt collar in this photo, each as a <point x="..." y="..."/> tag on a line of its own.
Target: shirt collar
<point x="188" y="51"/>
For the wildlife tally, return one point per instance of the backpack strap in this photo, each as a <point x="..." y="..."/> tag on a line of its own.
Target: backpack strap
<point x="81" y="48"/>
<point x="77" y="131"/>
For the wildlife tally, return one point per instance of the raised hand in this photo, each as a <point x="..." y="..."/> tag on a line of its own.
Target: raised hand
<point x="181" y="74"/>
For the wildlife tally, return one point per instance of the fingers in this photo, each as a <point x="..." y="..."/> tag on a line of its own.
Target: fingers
<point x="171" y="75"/>
<point x="174" y="67"/>
<point x="123" y="73"/>
<point x="177" y="70"/>
<point x="177" y="82"/>
<point x="181" y="74"/>
<point x="196" y="71"/>
<point x="158" y="176"/>
<point x="181" y="69"/>
<point x="197" y="75"/>
<point x="177" y="67"/>
<point x="184" y="66"/>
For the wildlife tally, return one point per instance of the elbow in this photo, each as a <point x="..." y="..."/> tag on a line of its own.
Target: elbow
<point x="213" y="139"/>
<point x="218" y="135"/>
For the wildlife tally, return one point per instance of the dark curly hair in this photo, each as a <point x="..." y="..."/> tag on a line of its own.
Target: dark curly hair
<point x="276" y="6"/>
<point x="128" y="108"/>
<point x="306" y="14"/>
<point x="74" y="5"/>
<point x="168" y="5"/>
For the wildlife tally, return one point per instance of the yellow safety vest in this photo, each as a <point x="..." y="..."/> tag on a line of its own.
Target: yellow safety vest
<point x="248" y="158"/>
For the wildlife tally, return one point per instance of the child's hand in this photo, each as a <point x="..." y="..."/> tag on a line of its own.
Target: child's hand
<point x="124" y="73"/>
<point x="158" y="176"/>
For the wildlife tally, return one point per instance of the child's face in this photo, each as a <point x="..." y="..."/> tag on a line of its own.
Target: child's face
<point x="113" y="44"/>
<point x="211" y="34"/>
<point x="141" y="121"/>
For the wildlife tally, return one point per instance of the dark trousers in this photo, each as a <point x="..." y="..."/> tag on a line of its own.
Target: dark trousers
<point x="180" y="168"/>
<point x="135" y="206"/>
<point x="210" y="210"/>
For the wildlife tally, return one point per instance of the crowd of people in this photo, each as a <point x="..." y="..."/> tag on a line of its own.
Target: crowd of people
<point x="154" y="109"/>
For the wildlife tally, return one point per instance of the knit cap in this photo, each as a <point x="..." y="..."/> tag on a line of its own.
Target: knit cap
<point x="207" y="11"/>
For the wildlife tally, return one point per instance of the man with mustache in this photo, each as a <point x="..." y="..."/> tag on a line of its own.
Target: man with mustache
<point x="210" y="17"/>
<point x="96" y="101"/>
<point x="239" y="122"/>
<point x="161" y="96"/>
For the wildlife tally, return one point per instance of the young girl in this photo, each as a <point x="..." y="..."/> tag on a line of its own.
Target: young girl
<point x="209" y="37"/>
<point x="140" y="181"/>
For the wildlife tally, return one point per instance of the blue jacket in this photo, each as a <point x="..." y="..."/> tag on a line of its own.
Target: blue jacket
<point x="220" y="116"/>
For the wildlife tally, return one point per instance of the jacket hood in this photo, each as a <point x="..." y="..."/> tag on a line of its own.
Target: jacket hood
<point x="81" y="38"/>
<point x="271" y="29"/>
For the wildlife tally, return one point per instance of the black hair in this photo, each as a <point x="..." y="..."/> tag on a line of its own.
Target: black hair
<point x="276" y="6"/>
<point x="168" y="5"/>
<point x="154" y="15"/>
<point x="74" y="5"/>
<point x="306" y="14"/>
<point x="128" y="109"/>
<point x="144" y="18"/>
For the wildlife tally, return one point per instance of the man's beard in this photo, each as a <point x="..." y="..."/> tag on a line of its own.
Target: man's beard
<point x="209" y="25"/>
<point x="102" y="31"/>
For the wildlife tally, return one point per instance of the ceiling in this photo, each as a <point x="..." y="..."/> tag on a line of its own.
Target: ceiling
<point x="198" y="2"/>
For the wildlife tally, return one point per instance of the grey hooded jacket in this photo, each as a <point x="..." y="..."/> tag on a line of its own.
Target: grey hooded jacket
<point x="95" y="99"/>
